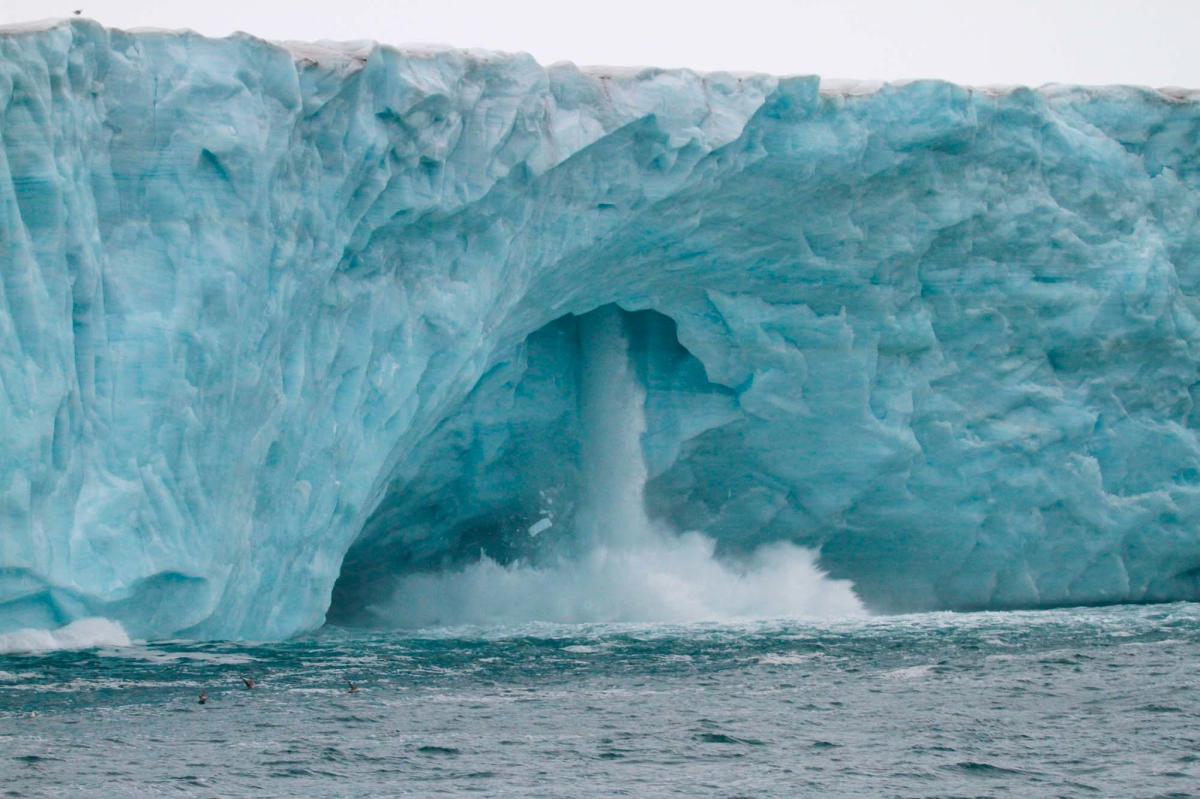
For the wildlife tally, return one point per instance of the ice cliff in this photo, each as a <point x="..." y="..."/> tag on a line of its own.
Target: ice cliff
<point x="278" y="317"/>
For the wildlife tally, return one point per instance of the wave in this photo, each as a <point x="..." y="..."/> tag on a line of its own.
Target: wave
<point x="81" y="634"/>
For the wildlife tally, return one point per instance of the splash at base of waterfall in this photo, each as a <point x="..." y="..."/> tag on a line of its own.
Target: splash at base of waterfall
<point x="671" y="578"/>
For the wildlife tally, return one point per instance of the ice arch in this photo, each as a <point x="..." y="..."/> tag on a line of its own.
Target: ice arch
<point x="528" y="501"/>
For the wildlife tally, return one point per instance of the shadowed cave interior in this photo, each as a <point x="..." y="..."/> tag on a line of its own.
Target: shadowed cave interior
<point x="501" y="477"/>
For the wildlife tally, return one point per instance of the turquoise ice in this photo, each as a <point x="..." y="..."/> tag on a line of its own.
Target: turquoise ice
<point x="279" y="317"/>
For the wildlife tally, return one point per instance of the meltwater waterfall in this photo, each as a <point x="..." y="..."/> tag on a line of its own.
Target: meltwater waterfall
<point x="612" y="415"/>
<point x="617" y="564"/>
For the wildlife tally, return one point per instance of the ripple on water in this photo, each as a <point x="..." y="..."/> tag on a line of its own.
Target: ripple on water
<point x="910" y="672"/>
<point x="445" y="751"/>
<point x="34" y="759"/>
<point x="788" y="658"/>
<point x="723" y="738"/>
<point x="981" y="769"/>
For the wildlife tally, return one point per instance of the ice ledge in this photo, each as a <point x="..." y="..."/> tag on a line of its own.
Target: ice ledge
<point x="33" y="26"/>
<point x="354" y="54"/>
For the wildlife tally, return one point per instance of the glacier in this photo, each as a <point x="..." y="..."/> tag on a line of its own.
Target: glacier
<point x="286" y="329"/>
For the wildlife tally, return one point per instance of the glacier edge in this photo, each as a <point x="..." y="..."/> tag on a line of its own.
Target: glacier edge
<point x="260" y="309"/>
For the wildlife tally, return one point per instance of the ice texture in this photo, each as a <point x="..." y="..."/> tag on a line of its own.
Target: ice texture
<point x="274" y="314"/>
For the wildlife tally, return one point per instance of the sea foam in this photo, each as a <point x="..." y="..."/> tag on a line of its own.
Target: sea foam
<point x="82" y="634"/>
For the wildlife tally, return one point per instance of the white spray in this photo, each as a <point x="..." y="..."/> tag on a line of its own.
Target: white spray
<point x="627" y="568"/>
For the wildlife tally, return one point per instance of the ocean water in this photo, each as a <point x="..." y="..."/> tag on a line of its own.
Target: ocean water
<point x="1084" y="702"/>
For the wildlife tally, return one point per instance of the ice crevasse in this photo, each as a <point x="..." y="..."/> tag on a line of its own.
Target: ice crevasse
<point x="281" y="325"/>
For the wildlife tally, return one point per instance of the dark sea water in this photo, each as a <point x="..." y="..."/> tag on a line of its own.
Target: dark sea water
<point x="1090" y="702"/>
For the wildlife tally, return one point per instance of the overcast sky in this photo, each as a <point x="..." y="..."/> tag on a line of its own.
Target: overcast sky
<point x="1152" y="42"/>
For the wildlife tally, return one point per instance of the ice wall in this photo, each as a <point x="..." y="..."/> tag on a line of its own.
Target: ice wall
<point x="247" y="291"/>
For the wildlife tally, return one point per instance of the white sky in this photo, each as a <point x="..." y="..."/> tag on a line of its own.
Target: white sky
<point x="1152" y="42"/>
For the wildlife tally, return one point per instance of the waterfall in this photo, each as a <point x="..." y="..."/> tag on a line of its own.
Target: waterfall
<point x="612" y="512"/>
<point x="620" y="566"/>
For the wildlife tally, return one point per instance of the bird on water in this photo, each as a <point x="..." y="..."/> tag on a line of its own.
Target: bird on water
<point x="203" y="698"/>
<point x="248" y="682"/>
